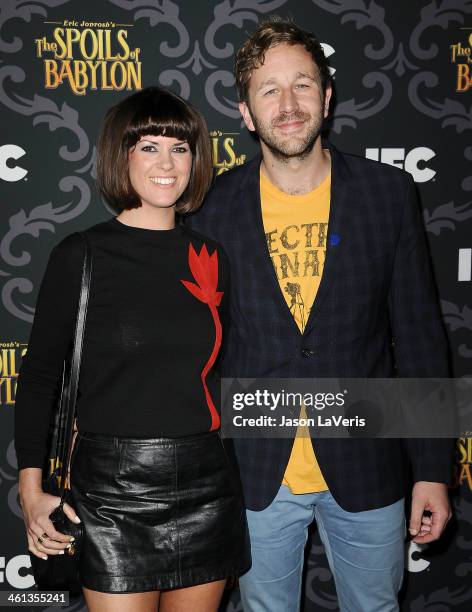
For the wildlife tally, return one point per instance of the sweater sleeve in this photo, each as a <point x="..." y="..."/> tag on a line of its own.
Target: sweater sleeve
<point x="51" y="336"/>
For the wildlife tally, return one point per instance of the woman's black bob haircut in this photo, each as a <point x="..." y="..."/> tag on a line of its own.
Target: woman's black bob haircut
<point x="151" y="112"/>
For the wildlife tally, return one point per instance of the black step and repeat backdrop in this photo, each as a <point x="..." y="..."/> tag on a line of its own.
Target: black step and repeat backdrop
<point x="403" y="77"/>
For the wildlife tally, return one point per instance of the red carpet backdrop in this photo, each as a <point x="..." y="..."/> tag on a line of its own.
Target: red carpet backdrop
<point x="403" y="79"/>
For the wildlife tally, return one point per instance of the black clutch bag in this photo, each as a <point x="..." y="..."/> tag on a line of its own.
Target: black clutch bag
<point x="60" y="572"/>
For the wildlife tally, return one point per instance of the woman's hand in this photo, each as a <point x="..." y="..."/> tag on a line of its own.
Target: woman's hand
<point x="43" y="538"/>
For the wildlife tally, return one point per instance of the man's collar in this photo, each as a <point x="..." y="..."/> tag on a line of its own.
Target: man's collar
<point x="339" y="168"/>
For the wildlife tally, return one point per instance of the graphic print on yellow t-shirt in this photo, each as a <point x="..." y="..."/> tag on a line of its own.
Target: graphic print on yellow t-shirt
<point x="296" y="228"/>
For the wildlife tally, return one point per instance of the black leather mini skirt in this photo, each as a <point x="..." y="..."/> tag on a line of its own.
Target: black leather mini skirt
<point x="158" y="513"/>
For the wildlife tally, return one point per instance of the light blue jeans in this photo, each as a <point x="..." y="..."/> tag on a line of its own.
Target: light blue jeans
<point x="365" y="551"/>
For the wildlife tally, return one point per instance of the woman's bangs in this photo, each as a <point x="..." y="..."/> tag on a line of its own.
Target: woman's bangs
<point x="171" y="120"/>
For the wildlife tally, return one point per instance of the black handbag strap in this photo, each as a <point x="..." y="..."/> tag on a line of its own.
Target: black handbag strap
<point x="70" y="390"/>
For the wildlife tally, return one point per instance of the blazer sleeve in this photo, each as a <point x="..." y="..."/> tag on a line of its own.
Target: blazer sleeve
<point x="51" y="336"/>
<point x="419" y="337"/>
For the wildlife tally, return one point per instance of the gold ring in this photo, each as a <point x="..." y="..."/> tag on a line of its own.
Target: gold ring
<point x="40" y="539"/>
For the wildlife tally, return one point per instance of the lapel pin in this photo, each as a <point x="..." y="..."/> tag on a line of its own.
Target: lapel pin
<point x="334" y="239"/>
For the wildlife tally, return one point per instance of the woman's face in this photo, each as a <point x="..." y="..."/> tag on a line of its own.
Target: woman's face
<point x="159" y="170"/>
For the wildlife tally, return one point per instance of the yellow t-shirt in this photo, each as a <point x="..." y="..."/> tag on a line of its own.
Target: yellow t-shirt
<point x="296" y="227"/>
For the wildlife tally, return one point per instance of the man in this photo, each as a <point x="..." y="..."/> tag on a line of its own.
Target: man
<point x="277" y="217"/>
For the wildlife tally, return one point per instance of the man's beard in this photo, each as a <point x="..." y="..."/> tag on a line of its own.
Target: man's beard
<point x="289" y="148"/>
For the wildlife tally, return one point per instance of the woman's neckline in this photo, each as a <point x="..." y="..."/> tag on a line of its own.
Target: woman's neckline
<point x="142" y="231"/>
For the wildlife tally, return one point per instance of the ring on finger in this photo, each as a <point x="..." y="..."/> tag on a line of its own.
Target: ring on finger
<point x="42" y="538"/>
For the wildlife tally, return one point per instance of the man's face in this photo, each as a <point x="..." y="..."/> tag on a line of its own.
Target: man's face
<point x="285" y="102"/>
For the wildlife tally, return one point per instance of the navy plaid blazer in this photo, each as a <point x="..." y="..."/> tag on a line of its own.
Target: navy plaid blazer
<point x="377" y="285"/>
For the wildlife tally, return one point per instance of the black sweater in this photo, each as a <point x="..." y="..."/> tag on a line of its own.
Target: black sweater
<point x="147" y="339"/>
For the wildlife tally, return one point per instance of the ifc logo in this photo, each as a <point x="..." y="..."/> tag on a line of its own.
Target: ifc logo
<point x="328" y="50"/>
<point x="8" y="173"/>
<point x="11" y="574"/>
<point x="412" y="162"/>
<point x="414" y="562"/>
<point x="464" y="272"/>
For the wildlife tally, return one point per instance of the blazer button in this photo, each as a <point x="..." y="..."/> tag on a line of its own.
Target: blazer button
<point x="307" y="353"/>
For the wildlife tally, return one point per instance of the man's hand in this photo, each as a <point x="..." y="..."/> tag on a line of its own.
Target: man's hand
<point x="431" y="496"/>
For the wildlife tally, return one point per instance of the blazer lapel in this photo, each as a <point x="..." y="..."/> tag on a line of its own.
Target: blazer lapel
<point x="336" y="240"/>
<point x="253" y="225"/>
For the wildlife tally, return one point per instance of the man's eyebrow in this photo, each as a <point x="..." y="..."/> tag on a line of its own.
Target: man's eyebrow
<point x="269" y="81"/>
<point x="306" y="75"/>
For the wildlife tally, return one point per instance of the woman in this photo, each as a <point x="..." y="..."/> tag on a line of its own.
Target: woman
<point x="151" y="481"/>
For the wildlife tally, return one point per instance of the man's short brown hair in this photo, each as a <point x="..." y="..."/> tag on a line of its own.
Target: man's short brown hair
<point x="271" y="33"/>
<point x="151" y="112"/>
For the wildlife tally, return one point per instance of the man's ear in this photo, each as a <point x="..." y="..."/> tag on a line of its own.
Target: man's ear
<point x="244" y="110"/>
<point x="328" y="93"/>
